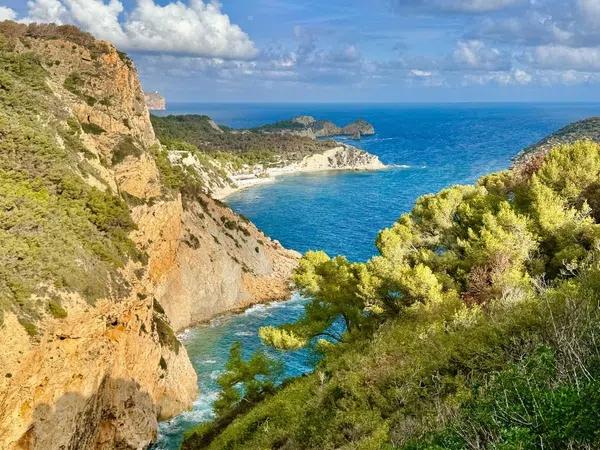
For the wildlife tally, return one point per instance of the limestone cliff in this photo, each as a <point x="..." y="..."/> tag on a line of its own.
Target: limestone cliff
<point x="90" y="359"/>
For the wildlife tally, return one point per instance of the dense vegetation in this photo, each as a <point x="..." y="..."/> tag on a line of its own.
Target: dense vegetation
<point x="56" y="231"/>
<point x="584" y="129"/>
<point x="248" y="147"/>
<point x="477" y="326"/>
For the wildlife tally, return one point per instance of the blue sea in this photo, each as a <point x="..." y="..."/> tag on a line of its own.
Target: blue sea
<point x="428" y="147"/>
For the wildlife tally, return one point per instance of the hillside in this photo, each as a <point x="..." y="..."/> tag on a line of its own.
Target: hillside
<point x="583" y="129"/>
<point x="308" y="126"/>
<point x="106" y="249"/>
<point x="475" y="327"/>
<point x="227" y="159"/>
<point x="249" y="146"/>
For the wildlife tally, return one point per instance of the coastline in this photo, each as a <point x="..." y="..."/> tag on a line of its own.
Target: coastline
<point x="341" y="158"/>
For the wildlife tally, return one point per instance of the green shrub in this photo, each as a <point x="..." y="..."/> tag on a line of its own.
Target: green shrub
<point x="92" y="128"/>
<point x="56" y="310"/>
<point x="55" y="229"/>
<point x="476" y="326"/>
<point x="125" y="148"/>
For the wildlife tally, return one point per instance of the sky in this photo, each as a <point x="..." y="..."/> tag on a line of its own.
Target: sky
<point x="346" y="51"/>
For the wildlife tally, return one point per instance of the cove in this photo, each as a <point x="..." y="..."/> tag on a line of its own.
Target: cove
<point x="428" y="146"/>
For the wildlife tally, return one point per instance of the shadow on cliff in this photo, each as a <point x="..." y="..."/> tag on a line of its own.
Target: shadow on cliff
<point x="118" y="416"/>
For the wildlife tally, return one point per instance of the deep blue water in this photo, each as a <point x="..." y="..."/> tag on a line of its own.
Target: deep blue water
<point x="430" y="147"/>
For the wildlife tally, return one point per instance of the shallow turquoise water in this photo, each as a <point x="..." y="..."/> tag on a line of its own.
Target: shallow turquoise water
<point x="208" y="347"/>
<point x="430" y="147"/>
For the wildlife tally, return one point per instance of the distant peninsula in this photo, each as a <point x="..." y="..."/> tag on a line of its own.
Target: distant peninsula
<point x="229" y="159"/>
<point x="309" y="126"/>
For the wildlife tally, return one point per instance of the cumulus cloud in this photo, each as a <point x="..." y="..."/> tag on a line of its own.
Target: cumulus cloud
<point x="421" y="73"/>
<point x="476" y="55"/>
<point x="475" y="6"/>
<point x="503" y="78"/>
<point x="563" y="57"/>
<point x="46" y="11"/>
<point x="7" y="13"/>
<point x="195" y="28"/>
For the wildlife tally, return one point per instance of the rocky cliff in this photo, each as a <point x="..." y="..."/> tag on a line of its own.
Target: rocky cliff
<point x="106" y="250"/>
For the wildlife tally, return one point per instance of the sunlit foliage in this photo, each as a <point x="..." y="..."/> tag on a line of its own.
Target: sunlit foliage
<point x="476" y="326"/>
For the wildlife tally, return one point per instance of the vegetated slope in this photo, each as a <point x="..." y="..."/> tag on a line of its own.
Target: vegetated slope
<point x="583" y="129"/>
<point x="476" y="326"/>
<point x="105" y="248"/>
<point x="223" y="159"/>
<point x="311" y="127"/>
<point x="250" y="147"/>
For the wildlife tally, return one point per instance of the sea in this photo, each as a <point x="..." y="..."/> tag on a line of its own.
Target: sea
<point x="427" y="147"/>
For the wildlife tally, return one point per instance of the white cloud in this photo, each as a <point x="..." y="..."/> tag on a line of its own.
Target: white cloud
<point x="503" y="78"/>
<point x="563" y="57"/>
<point x="198" y="28"/>
<point x="476" y="55"/>
<point x="458" y="6"/>
<point x="476" y="6"/>
<point x="194" y="28"/>
<point x="522" y="77"/>
<point x="46" y="11"/>
<point x="420" y="73"/>
<point x="590" y="11"/>
<point x="7" y="13"/>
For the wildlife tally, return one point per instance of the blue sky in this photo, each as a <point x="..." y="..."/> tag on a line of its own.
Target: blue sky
<point x="356" y="51"/>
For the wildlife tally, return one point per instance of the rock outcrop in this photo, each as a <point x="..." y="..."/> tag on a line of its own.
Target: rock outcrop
<point x="155" y="101"/>
<point x="358" y="128"/>
<point x="99" y="374"/>
<point x="308" y="126"/>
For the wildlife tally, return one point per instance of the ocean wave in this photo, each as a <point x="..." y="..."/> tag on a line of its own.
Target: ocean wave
<point x="215" y="374"/>
<point x="244" y="333"/>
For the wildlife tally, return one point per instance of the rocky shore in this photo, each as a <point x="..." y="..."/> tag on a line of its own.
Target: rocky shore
<point x="343" y="157"/>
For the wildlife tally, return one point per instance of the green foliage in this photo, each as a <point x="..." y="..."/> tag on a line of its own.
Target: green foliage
<point x="92" y="128"/>
<point x="476" y="326"/>
<point x="125" y="148"/>
<point x="245" y="381"/>
<point x="56" y="231"/>
<point x="55" y="308"/>
<point x="166" y="336"/>
<point x="177" y="177"/>
<point x="232" y="146"/>
<point x="281" y="125"/>
<point x="75" y="83"/>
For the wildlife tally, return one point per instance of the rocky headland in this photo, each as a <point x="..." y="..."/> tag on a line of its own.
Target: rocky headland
<point x="308" y="126"/>
<point x="107" y="250"/>
<point x="228" y="159"/>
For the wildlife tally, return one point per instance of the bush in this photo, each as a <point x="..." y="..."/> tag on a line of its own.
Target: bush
<point x="475" y="327"/>
<point x="55" y="229"/>
<point x="125" y="148"/>
<point x="92" y="128"/>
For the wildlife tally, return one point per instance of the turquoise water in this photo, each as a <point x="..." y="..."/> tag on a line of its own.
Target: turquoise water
<point x="429" y="147"/>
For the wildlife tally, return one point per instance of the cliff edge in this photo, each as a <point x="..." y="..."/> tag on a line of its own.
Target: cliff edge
<point x="107" y="249"/>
